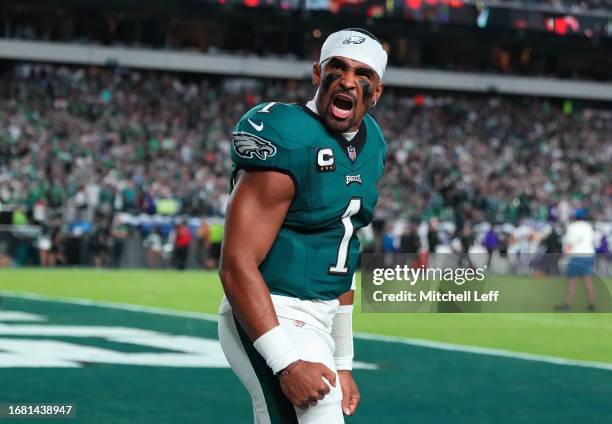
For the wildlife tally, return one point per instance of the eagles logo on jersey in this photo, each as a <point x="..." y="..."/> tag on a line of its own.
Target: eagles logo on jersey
<point x="249" y="145"/>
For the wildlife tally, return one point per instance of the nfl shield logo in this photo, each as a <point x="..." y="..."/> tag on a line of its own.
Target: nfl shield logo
<point x="352" y="153"/>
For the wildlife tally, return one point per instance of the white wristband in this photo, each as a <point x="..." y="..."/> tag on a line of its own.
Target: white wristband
<point x="276" y="348"/>
<point x="342" y="333"/>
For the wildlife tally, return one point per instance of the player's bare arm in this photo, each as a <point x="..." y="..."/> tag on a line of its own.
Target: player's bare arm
<point x="257" y="207"/>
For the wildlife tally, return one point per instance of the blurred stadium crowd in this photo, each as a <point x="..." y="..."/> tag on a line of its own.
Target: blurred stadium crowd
<point x="563" y="5"/>
<point x="80" y="144"/>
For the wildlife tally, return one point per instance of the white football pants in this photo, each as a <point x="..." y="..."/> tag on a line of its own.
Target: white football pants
<point x="270" y="406"/>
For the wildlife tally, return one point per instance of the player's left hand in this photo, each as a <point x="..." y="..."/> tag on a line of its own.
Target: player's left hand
<point x="350" y="393"/>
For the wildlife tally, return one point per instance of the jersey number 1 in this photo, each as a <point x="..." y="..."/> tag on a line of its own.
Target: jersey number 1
<point x="352" y="209"/>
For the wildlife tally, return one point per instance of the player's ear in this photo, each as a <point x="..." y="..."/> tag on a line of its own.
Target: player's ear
<point x="316" y="74"/>
<point x="377" y="92"/>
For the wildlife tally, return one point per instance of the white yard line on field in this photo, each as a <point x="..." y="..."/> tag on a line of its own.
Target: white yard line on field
<point x="485" y="351"/>
<point x="364" y="336"/>
<point x="562" y="320"/>
<point x="116" y="305"/>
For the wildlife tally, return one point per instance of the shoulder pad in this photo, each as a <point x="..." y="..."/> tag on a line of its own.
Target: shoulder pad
<point x="286" y="121"/>
<point x="259" y="139"/>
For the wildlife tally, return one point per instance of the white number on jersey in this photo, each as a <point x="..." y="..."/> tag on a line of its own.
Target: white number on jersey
<point x="352" y="209"/>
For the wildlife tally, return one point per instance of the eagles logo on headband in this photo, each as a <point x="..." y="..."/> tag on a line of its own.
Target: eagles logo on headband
<point x="356" y="44"/>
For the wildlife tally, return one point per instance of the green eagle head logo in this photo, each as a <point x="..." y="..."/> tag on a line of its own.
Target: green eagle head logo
<point x="249" y="146"/>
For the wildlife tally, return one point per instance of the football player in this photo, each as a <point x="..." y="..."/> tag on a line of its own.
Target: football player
<point x="304" y="180"/>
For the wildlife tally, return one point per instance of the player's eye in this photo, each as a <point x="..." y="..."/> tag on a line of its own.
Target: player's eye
<point x="335" y="64"/>
<point x="364" y="73"/>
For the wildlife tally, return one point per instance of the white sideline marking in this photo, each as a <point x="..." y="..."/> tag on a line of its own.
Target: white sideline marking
<point x="19" y="316"/>
<point x="560" y="320"/>
<point x="555" y="360"/>
<point x="485" y="351"/>
<point x="105" y="304"/>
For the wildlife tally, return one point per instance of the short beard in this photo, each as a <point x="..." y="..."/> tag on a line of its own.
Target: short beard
<point x="334" y="125"/>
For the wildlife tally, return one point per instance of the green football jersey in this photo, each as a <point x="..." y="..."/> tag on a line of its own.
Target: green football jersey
<point x="316" y="251"/>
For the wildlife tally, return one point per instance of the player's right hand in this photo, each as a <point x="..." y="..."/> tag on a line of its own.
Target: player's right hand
<point x="304" y="385"/>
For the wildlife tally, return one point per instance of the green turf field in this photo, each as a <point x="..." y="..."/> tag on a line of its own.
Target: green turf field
<point x="123" y="364"/>
<point x="576" y="336"/>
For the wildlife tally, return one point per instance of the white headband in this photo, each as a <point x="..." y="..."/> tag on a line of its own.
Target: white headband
<point x="355" y="45"/>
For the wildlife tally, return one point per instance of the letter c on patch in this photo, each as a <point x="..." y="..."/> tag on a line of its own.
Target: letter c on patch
<point x="325" y="157"/>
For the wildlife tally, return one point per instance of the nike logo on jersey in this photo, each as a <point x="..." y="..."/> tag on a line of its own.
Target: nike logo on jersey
<point x="353" y="179"/>
<point x="254" y="125"/>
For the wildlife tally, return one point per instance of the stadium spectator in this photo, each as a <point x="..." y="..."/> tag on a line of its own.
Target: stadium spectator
<point x="603" y="248"/>
<point x="604" y="254"/>
<point x="154" y="245"/>
<point x="410" y="245"/>
<point x="578" y="245"/>
<point x="465" y="238"/>
<point x="433" y="239"/>
<point x="182" y="241"/>
<point x="553" y="247"/>
<point x="490" y="242"/>
<point x="39" y="212"/>
<point x="44" y="246"/>
<point x="19" y="217"/>
<point x="203" y="238"/>
<point x="215" y="238"/>
<point x="99" y="243"/>
<point x="119" y="234"/>
<point x="389" y="240"/>
<point x="58" y="247"/>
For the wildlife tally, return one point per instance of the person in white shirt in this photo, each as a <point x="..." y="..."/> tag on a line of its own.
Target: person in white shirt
<point x="579" y="247"/>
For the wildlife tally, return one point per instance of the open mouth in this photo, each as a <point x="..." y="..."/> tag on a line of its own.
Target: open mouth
<point x="342" y="105"/>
